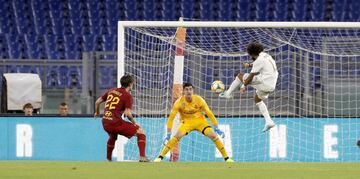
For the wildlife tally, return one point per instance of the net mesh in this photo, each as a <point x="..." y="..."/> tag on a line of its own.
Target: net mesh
<point x="318" y="77"/>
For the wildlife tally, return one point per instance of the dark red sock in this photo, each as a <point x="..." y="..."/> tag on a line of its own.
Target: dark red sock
<point x="110" y="146"/>
<point x="141" y="140"/>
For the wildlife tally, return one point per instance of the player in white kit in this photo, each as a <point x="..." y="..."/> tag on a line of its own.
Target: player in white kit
<point x="263" y="77"/>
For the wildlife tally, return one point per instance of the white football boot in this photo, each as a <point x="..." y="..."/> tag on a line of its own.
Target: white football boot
<point x="268" y="126"/>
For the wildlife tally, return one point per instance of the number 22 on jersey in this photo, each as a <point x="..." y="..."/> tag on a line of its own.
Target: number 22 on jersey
<point x="111" y="101"/>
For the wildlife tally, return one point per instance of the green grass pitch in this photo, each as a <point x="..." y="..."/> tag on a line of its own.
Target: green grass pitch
<point x="181" y="170"/>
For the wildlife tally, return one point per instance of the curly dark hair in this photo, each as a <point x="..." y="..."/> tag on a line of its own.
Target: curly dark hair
<point x="254" y="48"/>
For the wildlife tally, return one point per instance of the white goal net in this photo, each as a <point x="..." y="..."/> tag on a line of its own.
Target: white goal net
<point x="316" y="104"/>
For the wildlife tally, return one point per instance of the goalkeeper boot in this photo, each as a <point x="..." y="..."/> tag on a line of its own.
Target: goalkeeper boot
<point x="144" y="159"/>
<point x="158" y="159"/>
<point x="226" y="95"/>
<point x="229" y="160"/>
<point x="268" y="126"/>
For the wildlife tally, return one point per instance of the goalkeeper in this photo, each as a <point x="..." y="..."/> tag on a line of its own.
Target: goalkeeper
<point x="191" y="108"/>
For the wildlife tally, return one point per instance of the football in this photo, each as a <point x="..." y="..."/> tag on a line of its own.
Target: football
<point x="217" y="86"/>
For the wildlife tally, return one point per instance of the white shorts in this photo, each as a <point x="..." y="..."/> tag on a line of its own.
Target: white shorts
<point x="262" y="90"/>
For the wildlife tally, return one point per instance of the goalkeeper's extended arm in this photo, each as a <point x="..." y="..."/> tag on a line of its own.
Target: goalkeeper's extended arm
<point x="170" y="121"/>
<point x="210" y="114"/>
<point x="171" y="118"/>
<point x="213" y="120"/>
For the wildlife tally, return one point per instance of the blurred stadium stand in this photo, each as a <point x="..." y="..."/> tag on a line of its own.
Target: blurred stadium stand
<point x="56" y="29"/>
<point x="63" y="29"/>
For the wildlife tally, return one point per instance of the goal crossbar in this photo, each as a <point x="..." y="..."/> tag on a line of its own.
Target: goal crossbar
<point x="230" y="24"/>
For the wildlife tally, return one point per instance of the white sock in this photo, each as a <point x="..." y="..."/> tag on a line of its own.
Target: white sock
<point x="234" y="85"/>
<point x="264" y="111"/>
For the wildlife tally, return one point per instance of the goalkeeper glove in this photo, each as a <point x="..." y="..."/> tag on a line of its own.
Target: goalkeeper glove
<point x="219" y="132"/>
<point x="167" y="138"/>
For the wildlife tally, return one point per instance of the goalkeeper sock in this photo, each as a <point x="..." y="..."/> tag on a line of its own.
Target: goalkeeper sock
<point x="220" y="146"/>
<point x="110" y="146"/>
<point x="264" y="111"/>
<point x="141" y="141"/>
<point x="234" y="85"/>
<point x="174" y="157"/>
<point x="169" y="146"/>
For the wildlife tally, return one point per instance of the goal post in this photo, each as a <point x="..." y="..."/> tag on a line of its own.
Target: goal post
<point x="315" y="103"/>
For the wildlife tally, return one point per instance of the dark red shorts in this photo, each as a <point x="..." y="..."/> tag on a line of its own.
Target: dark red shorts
<point x="126" y="129"/>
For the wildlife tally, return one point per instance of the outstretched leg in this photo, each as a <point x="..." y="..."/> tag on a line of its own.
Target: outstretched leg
<point x="235" y="84"/>
<point x="172" y="142"/>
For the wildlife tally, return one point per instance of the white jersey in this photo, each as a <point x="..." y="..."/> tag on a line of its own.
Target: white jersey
<point x="266" y="67"/>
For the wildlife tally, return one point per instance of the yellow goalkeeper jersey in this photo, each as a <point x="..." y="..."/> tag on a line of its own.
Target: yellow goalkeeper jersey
<point x="190" y="111"/>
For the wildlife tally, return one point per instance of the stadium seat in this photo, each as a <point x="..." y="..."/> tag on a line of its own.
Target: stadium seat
<point x="109" y="42"/>
<point x="299" y="11"/>
<point x="99" y="44"/>
<point x="149" y="11"/>
<point x="318" y="10"/>
<point x="242" y="10"/>
<point x="279" y="13"/>
<point x="187" y="8"/>
<point x="262" y="8"/>
<point x="89" y="42"/>
<point x="4" y="49"/>
<point x="113" y="76"/>
<point x="41" y="47"/>
<point x="74" y="5"/>
<point x="32" y="46"/>
<point x="63" y="72"/>
<point x="51" y="47"/>
<point x="30" y="69"/>
<point x="74" y="77"/>
<point x="14" y="48"/>
<point x="104" y="81"/>
<point x="354" y="11"/>
<point x="225" y="10"/>
<point x="12" y="69"/>
<point x="52" y="77"/>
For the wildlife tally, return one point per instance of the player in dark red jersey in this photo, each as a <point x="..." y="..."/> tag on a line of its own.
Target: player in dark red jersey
<point x="119" y="101"/>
